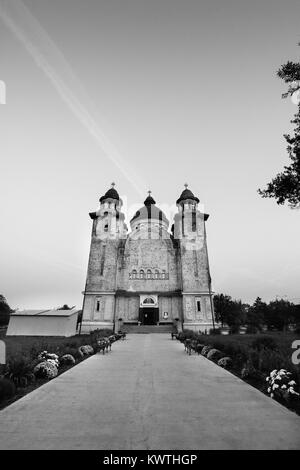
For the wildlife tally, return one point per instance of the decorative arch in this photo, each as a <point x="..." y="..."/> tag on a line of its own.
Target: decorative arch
<point x="134" y="274"/>
<point x="142" y="274"/>
<point x="149" y="274"/>
<point x="148" y="301"/>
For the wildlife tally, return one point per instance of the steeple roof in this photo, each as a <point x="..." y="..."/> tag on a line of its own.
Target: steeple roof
<point x="187" y="194"/>
<point x="110" y="194"/>
<point x="149" y="200"/>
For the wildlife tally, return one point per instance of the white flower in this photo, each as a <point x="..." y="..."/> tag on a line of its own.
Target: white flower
<point x="275" y="386"/>
<point x="292" y="382"/>
<point x="269" y="389"/>
<point x="267" y="379"/>
<point x="283" y="387"/>
<point x="274" y="372"/>
<point x="272" y="395"/>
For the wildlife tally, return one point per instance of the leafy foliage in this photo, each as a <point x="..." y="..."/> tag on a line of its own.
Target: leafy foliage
<point x="5" y="311"/>
<point x="285" y="187"/>
<point x="279" y="314"/>
<point x="19" y="371"/>
<point x="229" y="311"/>
<point x="7" y="389"/>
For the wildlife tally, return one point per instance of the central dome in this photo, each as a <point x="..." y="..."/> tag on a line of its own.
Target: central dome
<point x="149" y="211"/>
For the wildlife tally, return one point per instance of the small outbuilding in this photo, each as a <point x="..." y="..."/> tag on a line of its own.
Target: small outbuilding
<point x="43" y="323"/>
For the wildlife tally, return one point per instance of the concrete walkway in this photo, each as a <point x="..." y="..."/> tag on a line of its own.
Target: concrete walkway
<point x="147" y="394"/>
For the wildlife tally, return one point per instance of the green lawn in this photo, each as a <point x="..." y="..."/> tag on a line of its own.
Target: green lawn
<point x="27" y="345"/>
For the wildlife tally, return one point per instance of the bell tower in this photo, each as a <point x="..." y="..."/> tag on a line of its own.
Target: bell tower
<point x="189" y="230"/>
<point x="109" y="218"/>
<point x="108" y="231"/>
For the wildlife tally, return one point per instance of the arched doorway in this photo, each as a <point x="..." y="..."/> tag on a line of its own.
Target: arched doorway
<point x="149" y="312"/>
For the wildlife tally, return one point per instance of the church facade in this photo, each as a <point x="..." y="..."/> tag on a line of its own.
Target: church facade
<point x="149" y="275"/>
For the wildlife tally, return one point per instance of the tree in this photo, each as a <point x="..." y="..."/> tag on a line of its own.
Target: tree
<point x="256" y="315"/>
<point x="279" y="315"/>
<point x="285" y="187"/>
<point x="229" y="311"/>
<point x="66" y="307"/>
<point x="222" y="304"/>
<point x="5" y="311"/>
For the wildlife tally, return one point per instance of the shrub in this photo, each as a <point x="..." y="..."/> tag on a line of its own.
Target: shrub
<point x="225" y="362"/>
<point x="239" y="353"/>
<point x="20" y="371"/>
<point x="250" y="372"/>
<point x="264" y="342"/>
<point x="67" y="359"/>
<point x="181" y="336"/>
<point x="205" y="350"/>
<point x="45" y="370"/>
<point x="76" y="353"/>
<point x="7" y="389"/>
<point x="199" y="347"/>
<point x="190" y="334"/>
<point x="50" y="357"/>
<point x="282" y="387"/>
<point x="86" y="350"/>
<point x="214" y="355"/>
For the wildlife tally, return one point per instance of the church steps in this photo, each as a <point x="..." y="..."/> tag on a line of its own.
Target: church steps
<point x="145" y="329"/>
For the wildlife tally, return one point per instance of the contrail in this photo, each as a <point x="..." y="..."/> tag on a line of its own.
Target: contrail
<point x="45" y="53"/>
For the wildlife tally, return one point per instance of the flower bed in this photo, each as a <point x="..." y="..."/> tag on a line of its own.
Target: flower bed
<point x="33" y="361"/>
<point x="264" y="361"/>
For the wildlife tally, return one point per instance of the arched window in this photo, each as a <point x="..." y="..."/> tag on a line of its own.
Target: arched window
<point x="149" y="274"/>
<point x="106" y="228"/>
<point x="98" y="304"/>
<point x="148" y="301"/>
<point x="194" y="221"/>
<point x="142" y="274"/>
<point x="156" y="274"/>
<point x="163" y="274"/>
<point x="134" y="274"/>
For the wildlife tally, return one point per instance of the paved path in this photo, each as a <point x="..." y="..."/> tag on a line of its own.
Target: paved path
<point x="147" y="394"/>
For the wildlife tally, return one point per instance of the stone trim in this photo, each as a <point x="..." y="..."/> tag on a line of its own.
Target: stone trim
<point x="197" y="293"/>
<point x="98" y="293"/>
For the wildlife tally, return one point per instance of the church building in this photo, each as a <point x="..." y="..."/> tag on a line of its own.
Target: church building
<point x="152" y="274"/>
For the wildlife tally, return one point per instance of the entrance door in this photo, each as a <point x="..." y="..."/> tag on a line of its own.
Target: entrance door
<point x="149" y="315"/>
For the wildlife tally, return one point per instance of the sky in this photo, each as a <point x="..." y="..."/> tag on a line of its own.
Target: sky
<point x="150" y="94"/>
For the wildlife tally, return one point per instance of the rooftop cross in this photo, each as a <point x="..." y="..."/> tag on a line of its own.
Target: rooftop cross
<point x="113" y="184"/>
<point x="149" y="192"/>
<point x="185" y="185"/>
